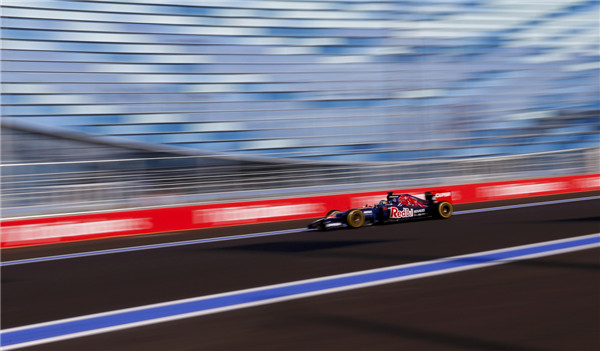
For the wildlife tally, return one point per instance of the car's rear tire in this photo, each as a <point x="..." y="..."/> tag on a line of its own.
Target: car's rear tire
<point x="355" y="219"/>
<point x="444" y="210"/>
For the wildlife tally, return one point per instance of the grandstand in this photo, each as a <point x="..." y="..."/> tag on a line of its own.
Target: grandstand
<point x="280" y="87"/>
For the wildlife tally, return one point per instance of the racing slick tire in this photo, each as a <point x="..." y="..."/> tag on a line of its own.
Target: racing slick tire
<point x="355" y="219"/>
<point x="331" y="213"/>
<point x="444" y="210"/>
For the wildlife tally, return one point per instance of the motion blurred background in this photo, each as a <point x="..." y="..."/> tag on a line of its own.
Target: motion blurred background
<point x="141" y="103"/>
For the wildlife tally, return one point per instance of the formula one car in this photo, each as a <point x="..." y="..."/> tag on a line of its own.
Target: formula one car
<point x="396" y="208"/>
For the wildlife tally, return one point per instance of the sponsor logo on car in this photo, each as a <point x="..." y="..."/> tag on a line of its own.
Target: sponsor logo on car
<point x="443" y="195"/>
<point x="405" y="213"/>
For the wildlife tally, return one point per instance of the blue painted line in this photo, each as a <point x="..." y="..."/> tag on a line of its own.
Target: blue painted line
<point x="94" y="324"/>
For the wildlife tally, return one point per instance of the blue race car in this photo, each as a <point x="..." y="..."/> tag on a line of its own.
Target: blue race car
<point x="396" y="208"/>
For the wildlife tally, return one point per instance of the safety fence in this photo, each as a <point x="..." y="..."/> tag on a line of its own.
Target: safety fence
<point x="55" y="188"/>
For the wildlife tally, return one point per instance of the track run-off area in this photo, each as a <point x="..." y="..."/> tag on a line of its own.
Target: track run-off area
<point x="512" y="275"/>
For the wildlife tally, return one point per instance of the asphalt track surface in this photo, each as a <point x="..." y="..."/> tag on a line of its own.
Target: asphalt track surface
<point x="548" y="303"/>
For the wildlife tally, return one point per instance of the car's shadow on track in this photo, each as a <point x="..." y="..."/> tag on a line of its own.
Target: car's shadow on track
<point x="303" y="246"/>
<point x="582" y="219"/>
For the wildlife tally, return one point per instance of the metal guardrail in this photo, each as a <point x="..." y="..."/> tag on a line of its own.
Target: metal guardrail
<point x="54" y="188"/>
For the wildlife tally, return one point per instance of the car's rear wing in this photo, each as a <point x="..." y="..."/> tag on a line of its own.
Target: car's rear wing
<point x="438" y="196"/>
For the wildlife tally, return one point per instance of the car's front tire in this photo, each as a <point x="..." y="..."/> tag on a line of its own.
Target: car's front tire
<point x="355" y="219"/>
<point x="332" y="212"/>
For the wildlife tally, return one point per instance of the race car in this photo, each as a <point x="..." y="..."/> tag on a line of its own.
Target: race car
<point x="395" y="208"/>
